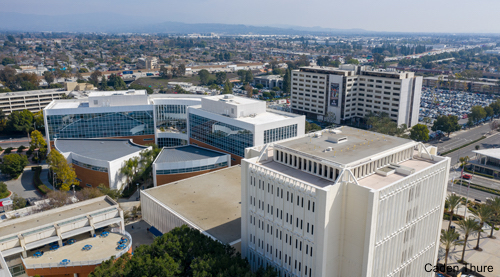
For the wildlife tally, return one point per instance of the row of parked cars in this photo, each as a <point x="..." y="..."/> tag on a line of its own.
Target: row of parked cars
<point x="435" y="102"/>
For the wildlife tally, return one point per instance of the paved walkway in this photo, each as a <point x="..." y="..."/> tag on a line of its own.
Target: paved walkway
<point x="490" y="254"/>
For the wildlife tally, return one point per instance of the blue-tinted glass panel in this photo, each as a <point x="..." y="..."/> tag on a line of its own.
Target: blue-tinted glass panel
<point x="191" y="169"/>
<point x="221" y="135"/>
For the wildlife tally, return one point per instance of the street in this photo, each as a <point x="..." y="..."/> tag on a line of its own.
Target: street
<point x="489" y="142"/>
<point x="14" y="142"/>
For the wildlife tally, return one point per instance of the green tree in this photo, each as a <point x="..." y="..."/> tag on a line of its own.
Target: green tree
<point x="449" y="239"/>
<point x="21" y="121"/>
<point x="287" y="81"/>
<point x="204" y="76"/>
<point x="446" y="124"/>
<point x="38" y="142"/>
<point x="13" y="165"/>
<point x="4" y="192"/>
<point x="468" y="226"/>
<point x="483" y="213"/>
<point x="489" y="111"/>
<point x="495" y="218"/>
<point x="113" y="193"/>
<point x="312" y="127"/>
<point x="220" y="77"/>
<point x="65" y="173"/>
<point x="419" y="132"/>
<point x="181" y="252"/>
<point x="352" y="61"/>
<point x="453" y="202"/>
<point x="228" y="88"/>
<point x="49" y="77"/>
<point x="477" y="113"/>
<point x="18" y="202"/>
<point x="8" y="60"/>
<point x="117" y="82"/>
<point x="130" y="169"/>
<point x="248" y="76"/>
<point x="104" y="83"/>
<point x="94" y="77"/>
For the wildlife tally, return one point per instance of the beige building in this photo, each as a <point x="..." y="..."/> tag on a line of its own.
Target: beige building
<point x="147" y="63"/>
<point x="74" y="86"/>
<point x="349" y="93"/>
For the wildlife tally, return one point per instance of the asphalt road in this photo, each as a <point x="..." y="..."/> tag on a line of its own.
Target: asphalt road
<point x="489" y="142"/>
<point x="23" y="185"/>
<point x="461" y="137"/>
<point x="6" y="142"/>
<point x="473" y="193"/>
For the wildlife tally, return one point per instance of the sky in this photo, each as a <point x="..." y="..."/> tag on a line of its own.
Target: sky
<point x="449" y="16"/>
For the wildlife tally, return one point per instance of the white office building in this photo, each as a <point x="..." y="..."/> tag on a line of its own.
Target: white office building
<point x="343" y="202"/>
<point x="230" y="124"/>
<point x="349" y="93"/>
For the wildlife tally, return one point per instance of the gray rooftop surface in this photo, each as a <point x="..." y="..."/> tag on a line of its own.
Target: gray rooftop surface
<point x="19" y="225"/>
<point x="185" y="153"/>
<point x="100" y="149"/>
<point x="360" y="145"/>
<point x="211" y="201"/>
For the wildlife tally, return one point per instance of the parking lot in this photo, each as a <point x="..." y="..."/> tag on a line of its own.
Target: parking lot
<point x="435" y="102"/>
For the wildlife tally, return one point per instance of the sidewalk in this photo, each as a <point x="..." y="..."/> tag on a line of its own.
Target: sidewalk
<point x="44" y="176"/>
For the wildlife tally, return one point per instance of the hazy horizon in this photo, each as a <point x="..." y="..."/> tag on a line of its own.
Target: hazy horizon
<point x="436" y="16"/>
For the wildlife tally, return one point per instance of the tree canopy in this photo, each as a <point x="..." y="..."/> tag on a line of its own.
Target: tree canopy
<point x="180" y="252"/>
<point x="419" y="132"/>
<point x="65" y="173"/>
<point x="13" y="164"/>
<point x="446" y="123"/>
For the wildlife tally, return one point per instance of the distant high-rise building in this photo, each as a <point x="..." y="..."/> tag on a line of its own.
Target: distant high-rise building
<point x="343" y="202"/>
<point x="349" y="93"/>
<point x="147" y="63"/>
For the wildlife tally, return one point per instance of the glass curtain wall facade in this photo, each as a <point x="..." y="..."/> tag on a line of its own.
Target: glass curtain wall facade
<point x="171" y="142"/>
<point x="280" y="133"/>
<point x="171" y="116"/>
<point x="221" y="135"/>
<point x="89" y="166"/>
<point x="191" y="169"/>
<point x="101" y="125"/>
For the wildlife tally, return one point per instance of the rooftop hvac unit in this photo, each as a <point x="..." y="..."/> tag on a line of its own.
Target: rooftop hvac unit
<point x="337" y="139"/>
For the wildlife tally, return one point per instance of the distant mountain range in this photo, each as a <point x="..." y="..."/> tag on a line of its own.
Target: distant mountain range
<point x="117" y="23"/>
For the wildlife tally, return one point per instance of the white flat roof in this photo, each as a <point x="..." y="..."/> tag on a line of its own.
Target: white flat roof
<point x="211" y="201"/>
<point x="236" y="100"/>
<point x="118" y="92"/>
<point x="265" y="118"/>
<point x="493" y="153"/>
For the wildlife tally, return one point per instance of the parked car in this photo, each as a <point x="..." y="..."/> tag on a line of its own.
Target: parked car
<point x="466" y="176"/>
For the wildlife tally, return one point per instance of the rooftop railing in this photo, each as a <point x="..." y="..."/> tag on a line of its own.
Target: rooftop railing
<point x="84" y="263"/>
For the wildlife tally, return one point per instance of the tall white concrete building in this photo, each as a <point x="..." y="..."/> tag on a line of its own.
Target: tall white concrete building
<point x="343" y="202"/>
<point x="349" y="93"/>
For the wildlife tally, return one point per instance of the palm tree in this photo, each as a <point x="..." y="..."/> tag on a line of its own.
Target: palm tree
<point x="449" y="238"/>
<point x="469" y="226"/>
<point x="483" y="213"/>
<point x="495" y="206"/>
<point x="453" y="202"/>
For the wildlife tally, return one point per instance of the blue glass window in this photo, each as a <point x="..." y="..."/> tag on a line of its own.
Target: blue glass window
<point x="191" y="169"/>
<point x="221" y="135"/>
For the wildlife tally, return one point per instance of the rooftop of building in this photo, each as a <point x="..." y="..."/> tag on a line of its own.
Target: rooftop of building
<point x="186" y="153"/>
<point x="211" y="201"/>
<point x="268" y="116"/>
<point x="269" y="77"/>
<point x="376" y="181"/>
<point x="99" y="149"/>
<point x="492" y="153"/>
<point x="118" y="92"/>
<point x="31" y="92"/>
<point x="25" y="223"/>
<point x="376" y="72"/>
<point x="103" y="248"/>
<point x="234" y="100"/>
<point x="359" y="144"/>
